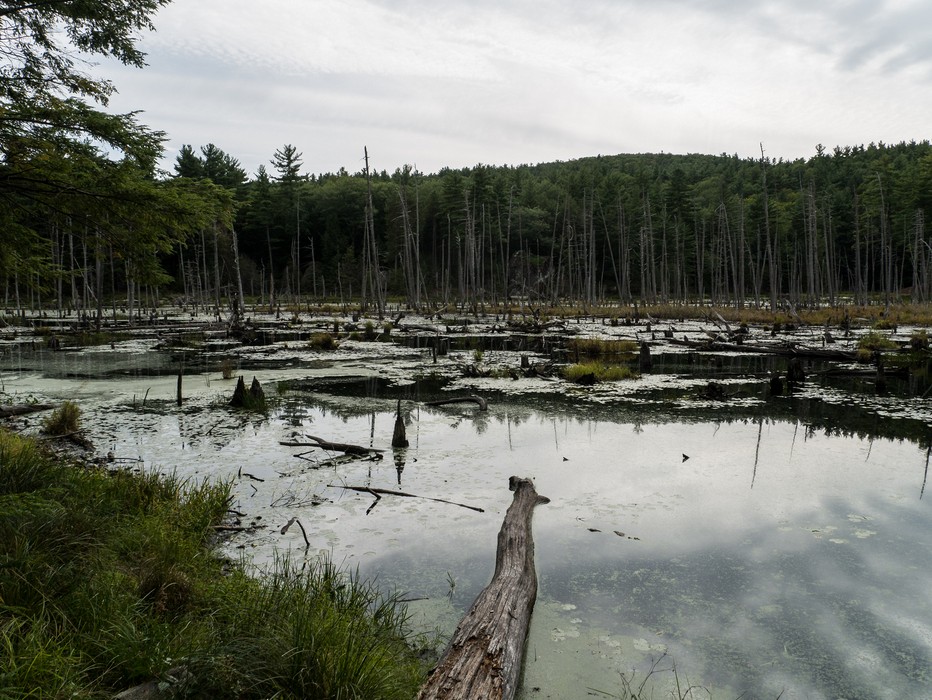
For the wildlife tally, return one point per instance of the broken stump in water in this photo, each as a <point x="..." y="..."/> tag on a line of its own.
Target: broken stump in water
<point x="398" y="436"/>
<point x="252" y="399"/>
<point x="645" y="363"/>
<point x="795" y="374"/>
<point x="485" y="655"/>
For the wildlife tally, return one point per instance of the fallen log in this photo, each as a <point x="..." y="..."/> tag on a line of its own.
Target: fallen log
<point x="485" y="655"/>
<point x="478" y="400"/>
<point x="24" y="408"/>
<point x="332" y="446"/>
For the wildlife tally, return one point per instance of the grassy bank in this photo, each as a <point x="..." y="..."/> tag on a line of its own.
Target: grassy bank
<point x="107" y="581"/>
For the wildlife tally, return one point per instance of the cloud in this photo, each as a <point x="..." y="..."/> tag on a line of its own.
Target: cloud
<point x="520" y="81"/>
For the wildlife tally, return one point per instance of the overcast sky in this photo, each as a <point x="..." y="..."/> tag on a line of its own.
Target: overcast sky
<point x="504" y="82"/>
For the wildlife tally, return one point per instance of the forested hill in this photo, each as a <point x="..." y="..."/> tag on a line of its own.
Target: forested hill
<point x="846" y="223"/>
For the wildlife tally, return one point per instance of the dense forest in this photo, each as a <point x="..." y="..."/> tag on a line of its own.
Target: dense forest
<point x="842" y="226"/>
<point x="87" y="218"/>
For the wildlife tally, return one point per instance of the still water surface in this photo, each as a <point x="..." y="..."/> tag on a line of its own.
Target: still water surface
<point x="761" y="556"/>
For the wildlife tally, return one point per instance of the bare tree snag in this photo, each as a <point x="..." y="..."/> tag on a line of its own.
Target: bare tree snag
<point x="398" y="436"/>
<point x="485" y="655"/>
<point x="478" y="400"/>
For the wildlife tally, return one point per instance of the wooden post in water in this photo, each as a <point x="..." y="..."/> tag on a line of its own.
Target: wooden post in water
<point x="485" y="655"/>
<point x="180" y="373"/>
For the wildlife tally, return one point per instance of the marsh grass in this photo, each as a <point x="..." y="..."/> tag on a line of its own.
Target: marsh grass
<point x="64" y="420"/>
<point x="322" y="341"/>
<point x="108" y="581"/>
<point x="875" y="341"/>
<point x="93" y="338"/>
<point x="600" y="347"/>
<point x="595" y="371"/>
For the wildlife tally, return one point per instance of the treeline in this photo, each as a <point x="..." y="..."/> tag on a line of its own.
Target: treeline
<point x="846" y="225"/>
<point x="843" y="226"/>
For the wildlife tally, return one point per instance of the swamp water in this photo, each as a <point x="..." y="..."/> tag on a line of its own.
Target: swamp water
<point x="766" y="549"/>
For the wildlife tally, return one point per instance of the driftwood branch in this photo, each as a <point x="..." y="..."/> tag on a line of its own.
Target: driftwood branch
<point x="478" y="400"/>
<point x="485" y="655"/>
<point x="388" y="492"/>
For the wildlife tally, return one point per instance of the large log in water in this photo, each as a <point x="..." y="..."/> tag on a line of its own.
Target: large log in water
<point x="484" y="657"/>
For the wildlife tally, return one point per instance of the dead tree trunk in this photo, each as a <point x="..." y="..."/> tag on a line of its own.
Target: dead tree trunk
<point x="485" y="655"/>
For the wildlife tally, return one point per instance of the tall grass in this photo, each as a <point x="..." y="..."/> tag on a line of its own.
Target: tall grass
<point x="108" y="581"/>
<point x="594" y="371"/>
<point x="599" y="347"/>
<point x="64" y="420"/>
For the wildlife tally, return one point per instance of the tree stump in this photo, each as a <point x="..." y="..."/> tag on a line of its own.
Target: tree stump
<point x="252" y="399"/>
<point x="398" y="436"/>
<point x="485" y="655"/>
<point x="645" y="364"/>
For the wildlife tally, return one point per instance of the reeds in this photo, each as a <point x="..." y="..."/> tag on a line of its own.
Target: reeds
<point x="594" y="371"/>
<point x="600" y="347"/>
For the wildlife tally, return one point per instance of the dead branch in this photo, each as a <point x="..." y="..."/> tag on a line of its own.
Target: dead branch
<point x="405" y="494"/>
<point x="307" y="542"/>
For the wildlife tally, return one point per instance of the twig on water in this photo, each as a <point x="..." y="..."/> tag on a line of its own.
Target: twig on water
<point x="307" y="543"/>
